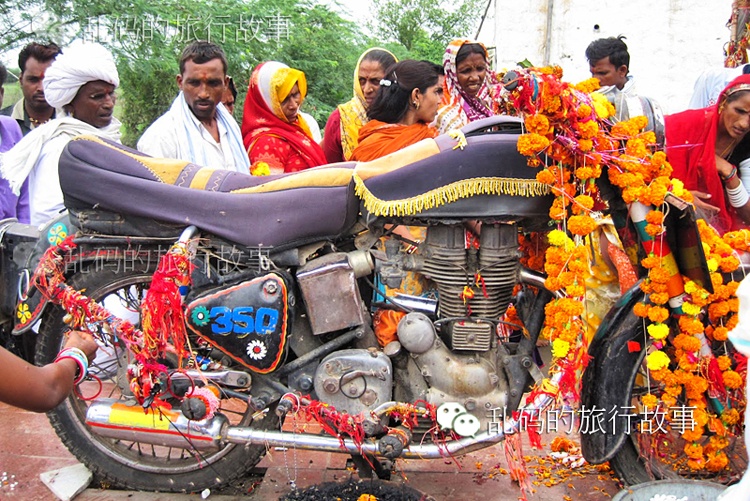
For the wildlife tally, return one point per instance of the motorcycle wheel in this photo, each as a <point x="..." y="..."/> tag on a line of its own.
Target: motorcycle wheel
<point x="125" y="464"/>
<point x="645" y="457"/>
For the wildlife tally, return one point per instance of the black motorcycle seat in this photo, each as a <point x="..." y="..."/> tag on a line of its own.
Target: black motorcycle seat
<point x="268" y="211"/>
<point x="487" y="177"/>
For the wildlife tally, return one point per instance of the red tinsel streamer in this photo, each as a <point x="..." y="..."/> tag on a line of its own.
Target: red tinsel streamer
<point x="709" y="369"/>
<point x="49" y="278"/>
<point x="162" y="314"/>
<point x="336" y="424"/>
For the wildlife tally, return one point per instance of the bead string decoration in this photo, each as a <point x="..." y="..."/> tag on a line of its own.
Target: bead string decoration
<point x="146" y="374"/>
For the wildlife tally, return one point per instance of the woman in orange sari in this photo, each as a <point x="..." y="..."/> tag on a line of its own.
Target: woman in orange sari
<point x="276" y="134"/>
<point x="406" y="103"/>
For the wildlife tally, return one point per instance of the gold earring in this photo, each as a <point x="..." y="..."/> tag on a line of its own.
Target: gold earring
<point x="416" y="105"/>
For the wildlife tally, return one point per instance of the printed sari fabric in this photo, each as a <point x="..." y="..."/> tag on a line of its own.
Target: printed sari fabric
<point x="342" y="130"/>
<point x="691" y="150"/>
<point x="457" y="107"/>
<point x="378" y="139"/>
<point x="268" y="136"/>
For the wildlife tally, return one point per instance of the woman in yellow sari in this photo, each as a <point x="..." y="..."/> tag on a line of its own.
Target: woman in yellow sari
<point x="342" y="128"/>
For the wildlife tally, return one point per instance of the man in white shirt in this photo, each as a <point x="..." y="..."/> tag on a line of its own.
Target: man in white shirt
<point x="81" y="82"/>
<point x="197" y="127"/>
<point x="711" y="82"/>
<point x="609" y="62"/>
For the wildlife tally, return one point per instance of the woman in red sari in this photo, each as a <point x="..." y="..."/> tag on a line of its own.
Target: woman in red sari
<point x="406" y="103"/>
<point x="276" y="134"/>
<point x="707" y="148"/>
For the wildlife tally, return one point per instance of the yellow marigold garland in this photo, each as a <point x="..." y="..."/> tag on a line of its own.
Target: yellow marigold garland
<point x="565" y="141"/>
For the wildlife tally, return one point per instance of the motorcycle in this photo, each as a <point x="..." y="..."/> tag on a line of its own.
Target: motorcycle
<point x="272" y="291"/>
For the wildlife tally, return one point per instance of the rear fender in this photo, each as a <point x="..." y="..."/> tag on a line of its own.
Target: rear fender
<point x="615" y="351"/>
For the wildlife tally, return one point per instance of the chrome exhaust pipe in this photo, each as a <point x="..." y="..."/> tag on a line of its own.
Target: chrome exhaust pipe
<point x="250" y="436"/>
<point x="115" y="419"/>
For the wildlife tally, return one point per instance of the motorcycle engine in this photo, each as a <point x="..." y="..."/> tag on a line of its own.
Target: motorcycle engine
<point x="468" y="323"/>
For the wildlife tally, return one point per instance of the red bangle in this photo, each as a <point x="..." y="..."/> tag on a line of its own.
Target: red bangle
<point x="732" y="174"/>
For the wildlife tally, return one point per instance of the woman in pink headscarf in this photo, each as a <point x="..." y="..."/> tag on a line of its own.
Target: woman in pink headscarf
<point x="467" y="87"/>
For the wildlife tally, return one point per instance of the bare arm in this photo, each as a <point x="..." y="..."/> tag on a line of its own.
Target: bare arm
<point x="40" y="389"/>
<point x="725" y="170"/>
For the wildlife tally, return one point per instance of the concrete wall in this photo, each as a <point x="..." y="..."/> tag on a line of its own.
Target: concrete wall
<point x="670" y="41"/>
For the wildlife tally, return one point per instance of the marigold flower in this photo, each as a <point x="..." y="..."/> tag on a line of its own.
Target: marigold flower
<point x="588" y="86"/>
<point x="531" y="144"/>
<point x="537" y="124"/>
<point x="552" y="283"/>
<point x="732" y="379"/>
<point x="692" y="435"/>
<point x="690" y="309"/>
<point x="650" y="262"/>
<point x="690" y="325"/>
<point x="260" y="169"/>
<point x="659" y="297"/>
<point x="712" y="264"/>
<point x="649" y="401"/>
<point x="557" y="238"/>
<point x="581" y="225"/>
<point x="583" y="204"/>
<point x="693" y="450"/>
<point x="730" y="417"/>
<point x="720" y="333"/>
<point x="584" y="173"/>
<point x="588" y="129"/>
<point x="724" y="362"/>
<point x="658" y="331"/>
<point x="657" y="360"/>
<point x="602" y="106"/>
<point x="659" y="275"/>
<point x="545" y="177"/>
<point x="560" y="348"/>
<point x="575" y="290"/>
<point x="717" y="462"/>
<point x="641" y="310"/>
<point x="729" y="264"/>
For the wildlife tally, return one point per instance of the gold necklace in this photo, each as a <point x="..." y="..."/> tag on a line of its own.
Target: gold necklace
<point x="728" y="150"/>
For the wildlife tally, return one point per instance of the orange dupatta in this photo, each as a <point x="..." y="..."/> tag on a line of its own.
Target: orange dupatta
<point x="378" y="139"/>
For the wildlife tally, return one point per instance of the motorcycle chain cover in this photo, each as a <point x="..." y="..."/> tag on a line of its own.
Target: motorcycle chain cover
<point x="248" y="321"/>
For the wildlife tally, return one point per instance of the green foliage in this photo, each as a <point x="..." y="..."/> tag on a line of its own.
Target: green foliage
<point x="148" y="36"/>
<point x="425" y="27"/>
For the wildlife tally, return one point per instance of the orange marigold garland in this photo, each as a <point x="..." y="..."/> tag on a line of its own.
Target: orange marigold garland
<point x="568" y="140"/>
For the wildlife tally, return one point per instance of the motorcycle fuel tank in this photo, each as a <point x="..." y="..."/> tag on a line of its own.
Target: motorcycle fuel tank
<point x="247" y="321"/>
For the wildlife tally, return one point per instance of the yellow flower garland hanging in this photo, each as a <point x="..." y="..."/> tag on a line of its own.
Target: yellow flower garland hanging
<point x="565" y="140"/>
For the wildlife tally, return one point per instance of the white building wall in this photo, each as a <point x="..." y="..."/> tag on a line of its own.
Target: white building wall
<point x="670" y="41"/>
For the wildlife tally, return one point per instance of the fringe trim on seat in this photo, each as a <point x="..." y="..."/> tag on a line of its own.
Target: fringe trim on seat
<point x="448" y="193"/>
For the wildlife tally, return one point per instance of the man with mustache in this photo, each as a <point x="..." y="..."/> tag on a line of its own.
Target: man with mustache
<point x="33" y="110"/>
<point x="197" y="127"/>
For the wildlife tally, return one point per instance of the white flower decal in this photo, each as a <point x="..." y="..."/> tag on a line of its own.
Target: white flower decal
<point x="256" y="350"/>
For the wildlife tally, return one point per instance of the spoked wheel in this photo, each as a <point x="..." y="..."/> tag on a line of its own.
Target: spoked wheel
<point x="128" y="464"/>
<point x="655" y="449"/>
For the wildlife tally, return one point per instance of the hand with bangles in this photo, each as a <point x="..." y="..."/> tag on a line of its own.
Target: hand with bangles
<point x="40" y="389"/>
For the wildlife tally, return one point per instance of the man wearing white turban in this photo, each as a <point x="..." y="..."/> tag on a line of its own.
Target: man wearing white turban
<point x="82" y="83"/>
